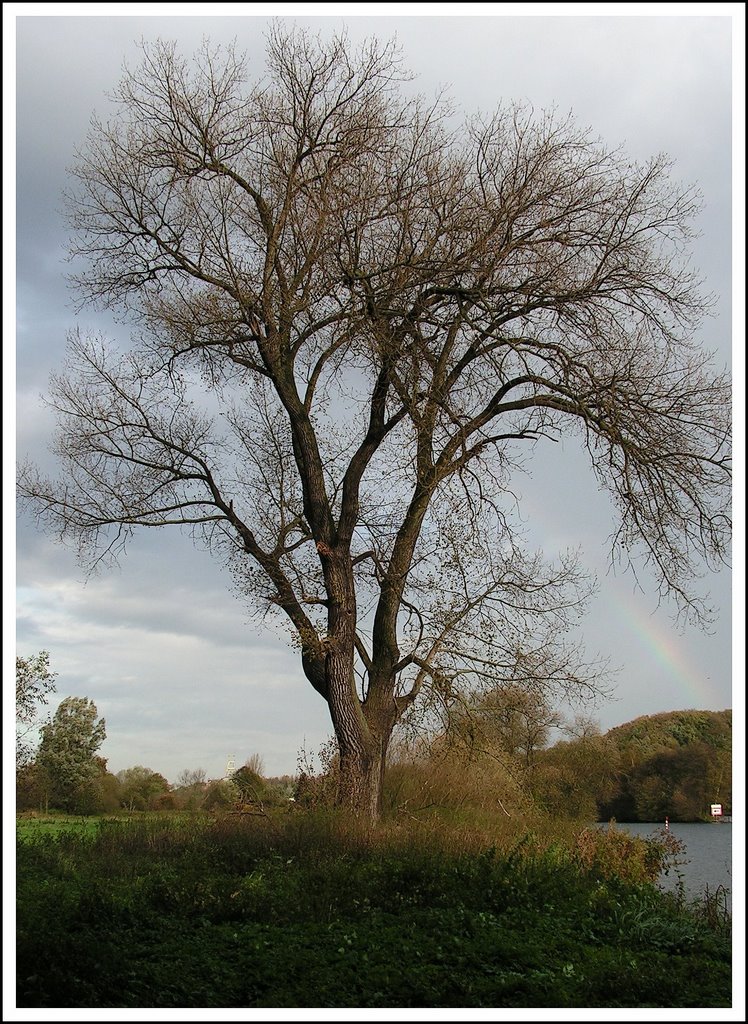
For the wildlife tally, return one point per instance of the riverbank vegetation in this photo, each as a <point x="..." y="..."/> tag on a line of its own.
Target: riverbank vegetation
<point x="299" y="909"/>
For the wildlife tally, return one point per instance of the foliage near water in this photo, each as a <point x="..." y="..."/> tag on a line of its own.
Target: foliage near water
<point x="303" y="910"/>
<point x="676" y="763"/>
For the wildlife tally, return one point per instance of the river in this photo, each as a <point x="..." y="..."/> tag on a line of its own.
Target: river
<point x="708" y="854"/>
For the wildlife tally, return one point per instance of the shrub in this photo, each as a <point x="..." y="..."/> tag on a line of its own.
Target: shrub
<point x="612" y="853"/>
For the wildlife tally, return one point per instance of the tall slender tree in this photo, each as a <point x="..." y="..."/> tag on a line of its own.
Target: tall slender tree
<point x="355" y="320"/>
<point x="66" y="760"/>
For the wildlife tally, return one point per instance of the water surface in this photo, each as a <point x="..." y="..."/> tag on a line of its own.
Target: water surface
<point x="708" y="854"/>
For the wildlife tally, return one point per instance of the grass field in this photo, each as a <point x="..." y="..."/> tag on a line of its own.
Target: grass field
<point x="31" y="829"/>
<point x="304" y="911"/>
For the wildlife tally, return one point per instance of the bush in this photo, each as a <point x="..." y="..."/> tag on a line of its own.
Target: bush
<point x="220" y="794"/>
<point x="612" y="853"/>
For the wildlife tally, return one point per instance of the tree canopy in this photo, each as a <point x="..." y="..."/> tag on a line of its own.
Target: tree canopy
<point x="67" y="757"/>
<point x="139" y="787"/>
<point x="354" y="321"/>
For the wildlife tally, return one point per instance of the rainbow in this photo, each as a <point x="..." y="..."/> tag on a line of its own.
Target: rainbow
<point x="650" y="633"/>
<point x="659" y="641"/>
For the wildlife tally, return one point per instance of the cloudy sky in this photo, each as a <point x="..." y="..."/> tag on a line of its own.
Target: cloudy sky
<point x="174" y="661"/>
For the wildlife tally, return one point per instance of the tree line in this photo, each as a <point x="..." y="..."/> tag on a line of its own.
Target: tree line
<point x="674" y="764"/>
<point x="58" y="766"/>
<point x="511" y="752"/>
<point x="499" y="755"/>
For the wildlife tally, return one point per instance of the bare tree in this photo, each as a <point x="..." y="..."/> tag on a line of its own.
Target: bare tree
<point x="353" y="322"/>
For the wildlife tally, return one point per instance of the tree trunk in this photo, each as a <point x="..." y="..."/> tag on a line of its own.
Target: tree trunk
<point x="361" y="750"/>
<point x="362" y="778"/>
<point x="362" y="737"/>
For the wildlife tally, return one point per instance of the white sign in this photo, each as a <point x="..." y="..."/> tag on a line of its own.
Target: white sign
<point x="716" y="810"/>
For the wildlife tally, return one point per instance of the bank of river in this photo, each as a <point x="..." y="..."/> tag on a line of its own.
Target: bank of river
<point x="708" y="856"/>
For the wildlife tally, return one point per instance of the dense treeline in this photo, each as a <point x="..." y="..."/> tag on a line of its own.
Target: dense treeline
<point x="677" y="764"/>
<point x="493" y="756"/>
<point x="498" y="757"/>
<point x="671" y="765"/>
<point x="142" y="789"/>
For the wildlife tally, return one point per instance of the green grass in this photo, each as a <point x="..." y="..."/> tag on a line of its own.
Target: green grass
<point x="307" y="912"/>
<point x="30" y="829"/>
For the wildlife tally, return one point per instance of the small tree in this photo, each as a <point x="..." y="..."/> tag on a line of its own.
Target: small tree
<point x="577" y="776"/>
<point x="390" y="314"/>
<point x="106" y="792"/>
<point x="249" y="781"/>
<point x="34" y="684"/>
<point x="511" y="723"/>
<point x="221" y="794"/>
<point x="189" y="790"/>
<point x="318" y="775"/>
<point x="67" y="753"/>
<point x="140" y="786"/>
